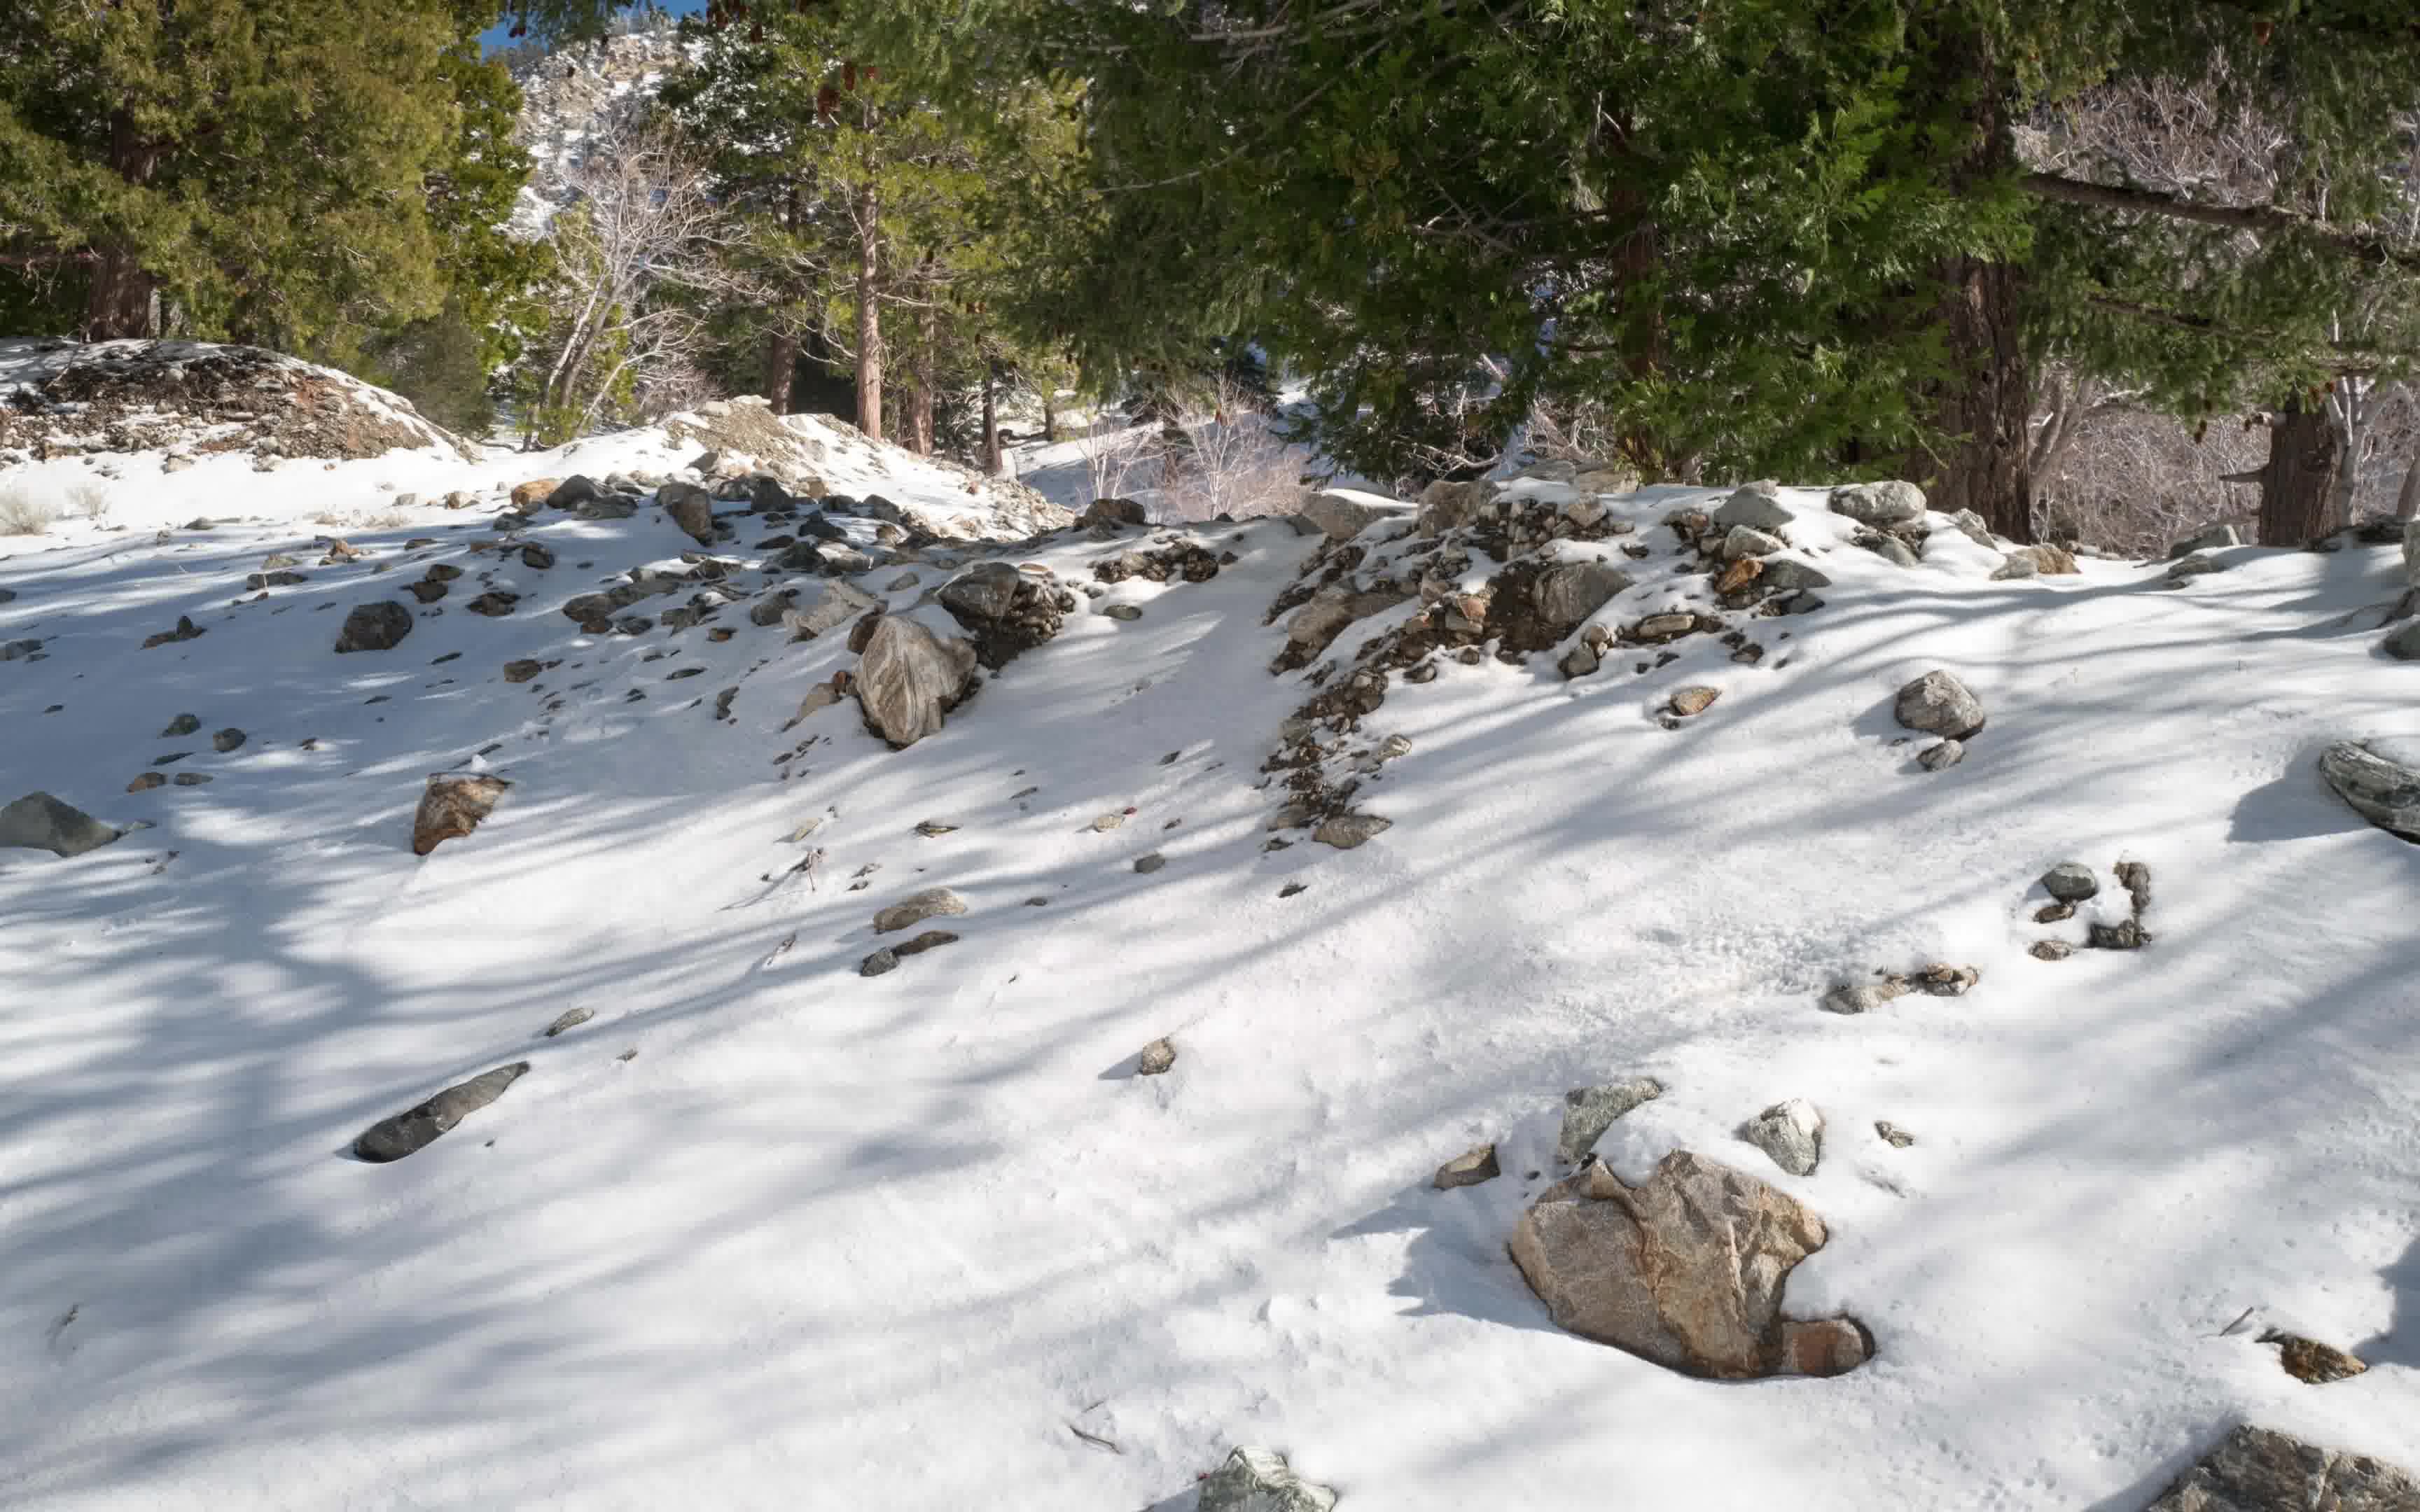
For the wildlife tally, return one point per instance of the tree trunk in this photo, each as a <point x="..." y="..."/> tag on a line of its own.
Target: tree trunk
<point x="869" y="320"/>
<point x="2297" y="486"/>
<point x="990" y="428"/>
<point x="1051" y="413"/>
<point x="119" y="301"/>
<point x="1985" y="408"/>
<point x="2407" y="504"/>
<point x="920" y="407"/>
<point x="780" y="365"/>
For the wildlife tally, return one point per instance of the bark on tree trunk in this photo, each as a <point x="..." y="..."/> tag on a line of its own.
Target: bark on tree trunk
<point x="1049" y="413"/>
<point x="869" y="320"/>
<point x="920" y="407"/>
<point x="2297" y="486"/>
<point x="780" y="364"/>
<point x="1986" y="407"/>
<point x="990" y="428"/>
<point x="118" y="302"/>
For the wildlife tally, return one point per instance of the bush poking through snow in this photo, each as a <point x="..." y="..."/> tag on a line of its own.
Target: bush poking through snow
<point x="22" y="514"/>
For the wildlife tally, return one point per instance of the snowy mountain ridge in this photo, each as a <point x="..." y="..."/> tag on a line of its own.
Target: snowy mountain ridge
<point x="772" y="979"/>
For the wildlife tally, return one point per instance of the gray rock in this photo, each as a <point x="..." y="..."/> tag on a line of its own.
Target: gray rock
<point x="1687" y="1269"/>
<point x="1579" y="661"/>
<point x="1124" y="613"/>
<point x="570" y="1018"/>
<point x="572" y="492"/>
<point x="2201" y="564"/>
<point x="1346" y="831"/>
<point x="38" y="822"/>
<point x="692" y="509"/>
<point x="769" y="608"/>
<point x="379" y="626"/>
<point x="1938" y="703"/>
<point x="1971" y="525"/>
<point x="1157" y="1058"/>
<point x="607" y="506"/>
<point x="2404" y="644"/>
<point x="932" y="902"/>
<point x="227" y="740"/>
<point x="8" y="595"/>
<point x="1786" y="574"/>
<point x="1148" y="864"/>
<point x="2379" y="780"/>
<point x="908" y="678"/>
<point x="183" y="724"/>
<point x="2411" y="554"/>
<point x="1006" y="611"/>
<point x="1447" y="506"/>
<point x="1113" y="513"/>
<point x="1863" y="998"/>
<point x="2257" y="1470"/>
<point x="1753" y="509"/>
<point x="1567" y="594"/>
<point x="1342" y="516"/>
<point x="416" y="1129"/>
<point x="1792" y="1132"/>
<point x="1590" y="1111"/>
<point x="21" y="650"/>
<point x="1940" y="758"/>
<point x="1891" y="549"/>
<point x="2070" y="882"/>
<point x="1748" y="541"/>
<point x="2215" y="538"/>
<point x="834" y="604"/>
<point x="1880" y="505"/>
<point x="2014" y="566"/>
<point x="1470" y="1168"/>
<point x="1258" y="1480"/>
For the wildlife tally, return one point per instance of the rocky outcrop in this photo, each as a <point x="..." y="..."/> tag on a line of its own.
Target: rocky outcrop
<point x="416" y="1129"/>
<point x="451" y="806"/>
<point x="1259" y="1480"/>
<point x="1006" y="611"/>
<point x="38" y="822"/>
<point x="1687" y="1269"/>
<point x="379" y="626"/>
<point x="908" y="678"/>
<point x="2378" y="779"/>
<point x="2257" y="1470"/>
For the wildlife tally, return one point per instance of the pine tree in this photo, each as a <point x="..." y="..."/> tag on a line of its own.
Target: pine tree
<point x="257" y="164"/>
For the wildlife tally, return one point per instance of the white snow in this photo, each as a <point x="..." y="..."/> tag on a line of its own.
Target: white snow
<point x="836" y="1242"/>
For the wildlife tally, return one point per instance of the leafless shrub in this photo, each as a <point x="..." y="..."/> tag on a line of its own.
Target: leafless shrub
<point x="90" y="500"/>
<point x="23" y="513"/>
<point x="1117" y="459"/>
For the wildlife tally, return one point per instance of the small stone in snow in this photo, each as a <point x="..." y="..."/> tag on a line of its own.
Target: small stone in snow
<point x="1590" y="1111"/>
<point x="1943" y="756"/>
<point x="1472" y="1166"/>
<point x="930" y="903"/>
<point x="1109" y="822"/>
<point x="227" y="740"/>
<point x="1150" y="863"/>
<point x="1792" y="1132"/>
<point x="2052" y="913"/>
<point x="183" y="724"/>
<point x="2070" y="882"/>
<point x="1892" y="1135"/>
<point x="570" y="1018"/>
<point x="1157" y="1058"/>
<point x="2050" y="949"/>
<point x="2311" y="1362"/>
<point x="1290" y="890"/>
<point x="2125" y="934"/>
<point x="1694" y="700"/>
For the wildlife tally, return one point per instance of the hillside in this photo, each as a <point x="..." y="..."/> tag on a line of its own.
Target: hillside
<point x="1291" y="859"/>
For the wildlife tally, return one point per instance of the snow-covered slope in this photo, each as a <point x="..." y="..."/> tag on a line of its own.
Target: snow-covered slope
<point x="767" y="1233"/>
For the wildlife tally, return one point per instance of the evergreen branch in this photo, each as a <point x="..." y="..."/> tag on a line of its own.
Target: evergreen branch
<point x="2253" y="218"/>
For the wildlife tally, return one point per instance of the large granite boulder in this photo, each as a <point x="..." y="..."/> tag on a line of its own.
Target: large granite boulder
<point x="1881" y="506"/>
<point x="1006" y="611"/>
<point x="908" y="678"/>
<point x="1567" y="594"/>
<point x="1687" y="1269"/>
<point x="1343" y="514"/>
<point x="2379" y="780"/>
<point x="2257" y="1470"/>
<point x="379" y="626"/>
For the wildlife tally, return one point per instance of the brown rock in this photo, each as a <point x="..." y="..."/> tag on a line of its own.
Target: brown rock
<point x="2255" y="1470"/>
<point x="2050" y="949"/>
<point x="147" y="782"/>
<point x="1739" y="574"/>
<point x="2048" y="560"/>
<point x="1694" y="700"/>
<point x="1470" y="1168"/>
<point x="522" y="670"/>
<point x="1687" y="1269"/>
<point x="2309" y="1360"/>
<point x="1825" y="1346"/>
<point x="533" y="494"/>
<point x="451" y="806"/>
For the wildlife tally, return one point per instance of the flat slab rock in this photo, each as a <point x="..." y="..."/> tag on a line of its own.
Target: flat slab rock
<point x="1687" y="1269"/>
<point x="415" y="1129"/>
<point x="2256" y="1470"/>
<point x="2378" y="779"/>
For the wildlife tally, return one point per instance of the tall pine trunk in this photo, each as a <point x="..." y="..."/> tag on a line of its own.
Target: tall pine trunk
<point x="118" y="302"/>
<point x="869" y="317"/>
<point x="2298" y="485"/>
<point x="920" y="399"/>
<point x="1985" y="406"/>
<point x="780" y="366"/>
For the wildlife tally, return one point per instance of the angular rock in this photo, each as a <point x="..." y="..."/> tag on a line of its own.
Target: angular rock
<point x="1694" y="700"/>
<point x="2136" y="877"/>
<point x="2070" y="882"/>
<point x="2256" y="1470"/>
<point x="1579" y="661"/>
<point x="2125" y="934"/>
<point x="1880" y="505"/>
<point x="2200" y="565"/>
<point x="495" y="604"/>
<point x="379" y="626"/>
<point x="451" y="806"/>
<point x="2378" y="779"/>
<point x="1687" y="1269"/>
<point x="1447" y="506"/>
<point x="429" y="590"/>
<point x="1971" y="525"/>
<point x="2310" y="1362"/>
<point x="1567" y="594"/>
<point x="1891" y="549"/>
<point x="1940" y="758"/>
<point x="38" y="822"/>
<point x="183" y="724"/>
<point x="1258" y="1480"/>
<point x="570" y="1018"/>
<point x="2050" y="949"/>
<point x="228" y="740"/>
<point x="908" y="678"/>
<point x="1752" y="509"/>
<point x="834" y="604"/>
<point x="1590" y="1111"/>
<point x="1470" y="1168"/>
<point x="570" y="493"/>
<point x="1938" y="703"/>
<point x="1343" y="513"/>
<point x="1345" y="831"/>
<point x="1792" y="1132"/>
<point x="1784" y="575"/>
<point x="1656" y="628"/>
<point x="186" y="630"/>
<point x="522" y="670"/>
<point x="192" y="779"/>
<point x="911" y="911"/>
<point x="416" y="1129"/>
<point x="1892" y="1135"/>
<point x="1122" y="613"/>
<point x="2404" y="644"/>
<point x="1748" y="541"/>
<point x="690" y="507"/>
<point x="1006" y="611"/>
